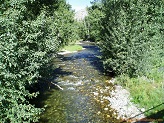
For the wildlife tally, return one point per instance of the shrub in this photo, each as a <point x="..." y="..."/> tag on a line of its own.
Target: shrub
<point x="29" y="35"/>
<point x="132" y="36"/>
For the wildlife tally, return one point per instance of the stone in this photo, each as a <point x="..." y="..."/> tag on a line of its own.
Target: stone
<point x="95" y="93"/>
<point x="106" y="109"/>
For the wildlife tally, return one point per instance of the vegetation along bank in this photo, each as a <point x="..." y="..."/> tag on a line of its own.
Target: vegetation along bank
<point x="129" y="33"/>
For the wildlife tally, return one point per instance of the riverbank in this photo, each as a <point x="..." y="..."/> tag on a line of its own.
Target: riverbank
<point x="120" y="100"/>
<point x="147" y="92"/>
<point x="117" y="98"/>
<point x="78" y="74"/>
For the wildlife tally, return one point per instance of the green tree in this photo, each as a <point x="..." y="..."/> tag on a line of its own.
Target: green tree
<point x="81" y="29"/>
<point x="132" y="36"/>
<point x="93" y="20"/>
<point x="30" y="32"/>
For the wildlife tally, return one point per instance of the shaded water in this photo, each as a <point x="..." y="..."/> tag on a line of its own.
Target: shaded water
<point x="79" y="74"/>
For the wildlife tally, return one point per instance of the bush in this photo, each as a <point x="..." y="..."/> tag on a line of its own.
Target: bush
<point x="132" y="46"/>
<point x="132" y="36"/>
<point x="30" y="32"/>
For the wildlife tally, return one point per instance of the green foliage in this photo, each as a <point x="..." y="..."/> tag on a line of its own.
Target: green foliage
<point x="132" y="36"/>
<point x="81" y="29"/>
<point x="30" y="32"/>
<point x="89" y="28"/>
<point x="93" y="20"/>
<point x="65" y="25"/>
<point x="131" y="42"/>
<point x="145" y="91"/>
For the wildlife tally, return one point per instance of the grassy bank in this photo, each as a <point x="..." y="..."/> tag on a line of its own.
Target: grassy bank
<point x="147" y="92"/>
<point x="73" y="47"/>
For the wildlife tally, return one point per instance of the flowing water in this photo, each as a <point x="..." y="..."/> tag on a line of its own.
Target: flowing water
<point x="80" y="74"/>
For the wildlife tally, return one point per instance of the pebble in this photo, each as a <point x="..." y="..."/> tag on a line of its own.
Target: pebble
<point x="106" y="109"/>
<point x="142" y="109"/>
<point x="98" y="112"/>
<point x="121" y="102"/>
<point x="71" y="88"/>
<point x="95" y="93"/>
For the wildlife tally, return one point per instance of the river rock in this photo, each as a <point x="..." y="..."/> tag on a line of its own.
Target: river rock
<point x="95" y="93"/>
<point x="121" y="102"/>
<point x="106" y="109"/>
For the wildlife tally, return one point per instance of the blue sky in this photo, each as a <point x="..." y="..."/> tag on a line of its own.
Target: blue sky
<point x="79" y="4"/>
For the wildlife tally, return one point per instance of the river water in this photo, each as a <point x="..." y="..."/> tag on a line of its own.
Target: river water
<point x="81" y="76"/>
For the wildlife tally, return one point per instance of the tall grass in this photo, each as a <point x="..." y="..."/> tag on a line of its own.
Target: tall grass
<point x="147" y="92"/>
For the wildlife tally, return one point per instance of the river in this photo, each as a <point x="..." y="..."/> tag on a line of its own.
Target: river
<point x="80" y="75"/>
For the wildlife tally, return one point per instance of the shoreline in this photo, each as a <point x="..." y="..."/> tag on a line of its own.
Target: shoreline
<point x="119" y="100"/>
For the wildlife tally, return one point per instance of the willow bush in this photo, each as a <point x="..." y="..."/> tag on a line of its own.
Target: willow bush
<point x="132" y="36"/>
<point x="30" y="32"/>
